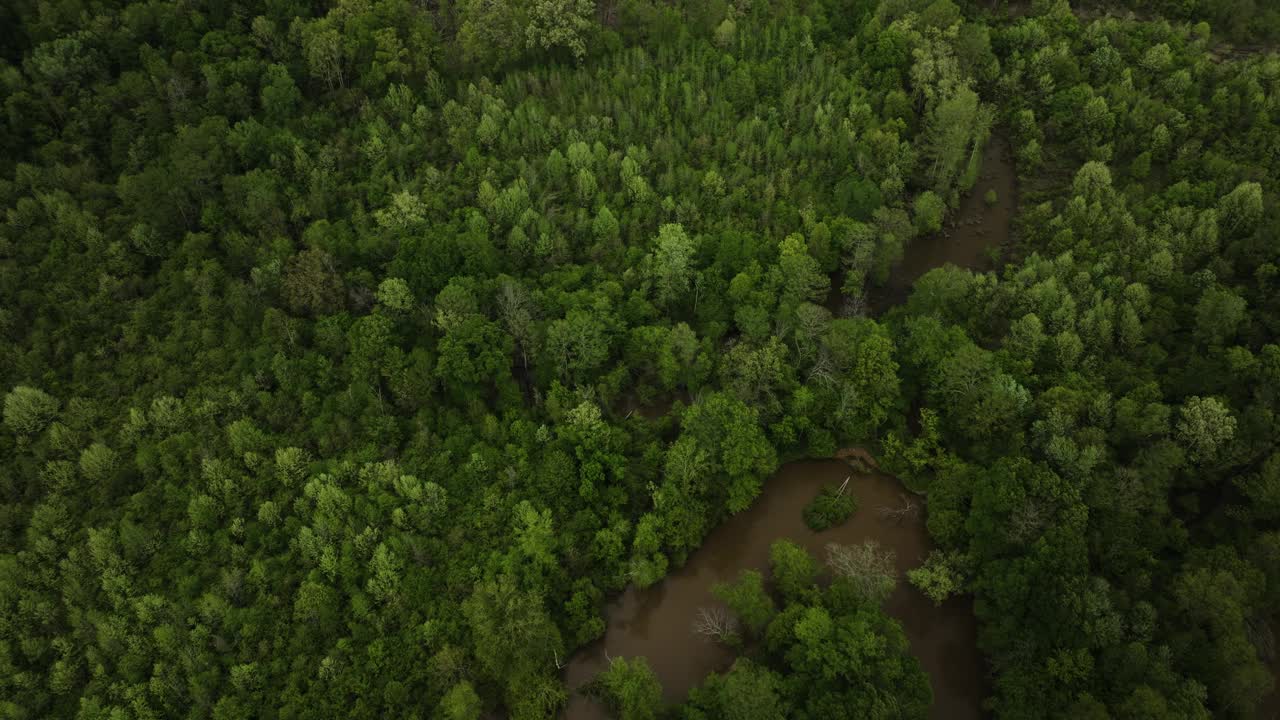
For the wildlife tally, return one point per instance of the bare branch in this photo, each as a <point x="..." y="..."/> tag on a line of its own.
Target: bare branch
<point x="1028" y="520"/>
<point x="872" y="571"/>
<point x="716" y="624"/>
<point x="907" y="509"/>
<point x="823" y="369"/>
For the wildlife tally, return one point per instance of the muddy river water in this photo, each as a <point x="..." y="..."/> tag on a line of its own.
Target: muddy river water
<point x="656" y="622"/>
<point x="968" y="233"/>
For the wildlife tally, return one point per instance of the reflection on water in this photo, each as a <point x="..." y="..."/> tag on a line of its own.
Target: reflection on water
<point x="656" y="622"/>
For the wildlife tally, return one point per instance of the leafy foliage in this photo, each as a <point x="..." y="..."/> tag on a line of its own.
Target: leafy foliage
<point x="826" y="652"/>
<point x="829" y="508"/>
<point x="355" y="352"/>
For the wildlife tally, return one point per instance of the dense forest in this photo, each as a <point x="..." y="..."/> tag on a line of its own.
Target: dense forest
<point x="356" y="353"/>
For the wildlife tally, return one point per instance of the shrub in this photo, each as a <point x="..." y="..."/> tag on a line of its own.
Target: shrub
<point x="829" y="508"/>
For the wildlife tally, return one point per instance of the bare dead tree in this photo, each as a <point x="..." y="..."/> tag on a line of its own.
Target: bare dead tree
<point x="823" y="370"/>
<point x="1127" y="492"/>
<point x="854" y="306"/>
<point x="716" y="624"/>
<point x="420" y="552"/>
<point x="517" y="312"/>
<point x="1259" y="632"/>
<point x="907" y="508"/>
<point x="810" y="322"/>
<point x="1028" y="519"/>
<point x="848" y="398"/>
<point x="872" y="572"/>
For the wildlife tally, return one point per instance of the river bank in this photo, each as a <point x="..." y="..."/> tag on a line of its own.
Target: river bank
<point x="656" y="622"/>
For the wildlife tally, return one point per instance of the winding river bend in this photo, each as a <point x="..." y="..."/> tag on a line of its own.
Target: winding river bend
<point x="967" y="235"/>
<point x="656" y="622"/>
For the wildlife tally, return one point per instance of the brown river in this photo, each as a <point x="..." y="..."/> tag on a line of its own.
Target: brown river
<point x="967" y="234"/>
<point x="656" y="622"/>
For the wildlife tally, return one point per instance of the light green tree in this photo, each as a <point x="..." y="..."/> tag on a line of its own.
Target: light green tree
<point x="322" y="47"/>
<point x="935" y="72"/>
<point x="631" y="689"/>
<point x="748" y="599"/>
<point x="1092" y="182"/>
<point x="955" y="128"/>
<point x="578" y="344"/>
<point x="514" y="638"/>
<point x="1241" y="209"/>
<point x="747" y="692"/>
<point x="536" y="539"/>
<point x="394" y="294"/>
<point x="794" y="570"/>
<point x="1205" y="424"/>
<point x="27" y="410"/>
<point x="561" y="23"/>
<point x="97" y="462"/>
<point x="672" y="260"/>
<point x="929" y="211"/>
<point x="1157" y="58"/>
<point x="725" y="32"/>
<point x="461" y="703"/>
<point x="605" y="226"/>
<point x="939" y="578"/>
<point x="800" y="274"/>
<point x="280" y="96"/>
<point x="384" y="574"/>
<point x="491" y="33"/>
<point x="648" y="564"/>
<point x="1219" y="315"/>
